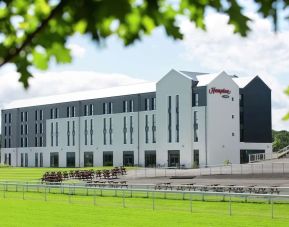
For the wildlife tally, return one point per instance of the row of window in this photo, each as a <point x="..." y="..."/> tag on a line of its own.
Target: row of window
<point x="9" y="118"/>
<point x="38" y="160"/>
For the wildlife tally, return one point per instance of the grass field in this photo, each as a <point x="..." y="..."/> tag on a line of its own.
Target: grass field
<point x="33" y="208"/>
<point x="15" y="212"/>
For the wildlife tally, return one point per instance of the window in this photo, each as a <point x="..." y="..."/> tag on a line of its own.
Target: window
<point x="153" y="103"/>
<point x="36" y="142"/>
<point x="21" y="142"/>
<point x="10" y="117"/>
<point x="68" y="111"/>
<point x="26" y="116"/>
<point x="73" y="133"/>
<point x="85" y="132"/>
<point x="51" y="134"/>
<point x="104" y="131"/>
<point x="36" y="159"/>
<point x="51" y="113"/>
<point x="9" y="130"/>
<point x="147" y="104"/>
<point x="5" y="143"/>
<point x="5" y="118"/>
<point x="26" y="129"/>
<point x="21" y="129"/>
<point x="146" y="129"/>
<point x="177" y="120"/>
<point x="22" y="116"/>
<point x="124" y="130"/>
<point x="125" y="106"/>
<point x="41" y="160"/>
<point x="110" y="131"/>
<point x="73" y="111"/>
<point x="40" y="141"/>
<point x="88" y="159"/>
<point x="70" y="159"/>
<point x="9" y="142"/>
<point x="40" y="115"/>
<point x="85" y="110"/>
<point x="26" y="160"/>
<point x="104" y="108"/>
<point x="40" y="128"/>
<point x="196" y="139"/>
<point x="131" y="130"/>
<point x="35" y="115"/>
<point x="110" y="110"/>
<point x="54" y="157"/>
<point x="91" y="109"/>
<point x="108" y="158"/>
<point x="5" y="131"/>
<point x="232" y="98"/>
<point x="36" y="127"/>
<point x="56" y="113"/>
<point x="196" y="99"/>
<point x="131" y="105"/>
<point x="233" y="134"/>
<point x="26" y="141"/>
<point x="56" y="140"/>
<point x="91" y="132"/>
<point x="22" y="160"/>
<point x="169" y="119"/>
<point x="68" y="133"/>
<point x="154" y="128"/>
<point x="233" y="116"/>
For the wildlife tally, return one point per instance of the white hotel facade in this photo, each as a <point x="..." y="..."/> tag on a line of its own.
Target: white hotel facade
<point x="185" y="119"/>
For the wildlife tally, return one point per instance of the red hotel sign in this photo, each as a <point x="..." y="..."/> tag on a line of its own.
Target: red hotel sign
<point x="224" y="92"/>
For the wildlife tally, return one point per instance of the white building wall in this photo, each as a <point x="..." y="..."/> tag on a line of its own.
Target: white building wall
<point x="171" y="85"/>
<point x="221" y="143"/>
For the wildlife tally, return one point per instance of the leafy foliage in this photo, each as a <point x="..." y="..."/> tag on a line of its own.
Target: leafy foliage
<point x="33" y="32"/>
<point x="280" y="139"/>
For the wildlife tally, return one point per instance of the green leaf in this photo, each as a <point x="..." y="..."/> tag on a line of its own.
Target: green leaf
<point x="61" y="54"/>
<point x="40" y="60"/>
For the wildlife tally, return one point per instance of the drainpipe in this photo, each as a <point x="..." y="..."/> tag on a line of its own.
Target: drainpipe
<point x="138" y="130"/>
<point x="79" y="113"/>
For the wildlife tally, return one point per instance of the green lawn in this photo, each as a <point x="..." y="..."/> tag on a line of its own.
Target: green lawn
<point x="15" y="212"/>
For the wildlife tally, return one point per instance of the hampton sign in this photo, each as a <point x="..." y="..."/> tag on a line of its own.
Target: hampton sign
<point x="222" y="91"/>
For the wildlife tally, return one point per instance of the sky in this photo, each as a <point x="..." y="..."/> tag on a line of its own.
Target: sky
<point x="263" y="53"/>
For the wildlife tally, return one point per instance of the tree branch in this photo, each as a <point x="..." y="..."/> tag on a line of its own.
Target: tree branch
<point x="14" y="52"/>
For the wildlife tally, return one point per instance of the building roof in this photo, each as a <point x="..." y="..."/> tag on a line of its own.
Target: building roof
<point x="86" y="95"/>
<point x="243" y="81"/>
<point x="205" y="79"/>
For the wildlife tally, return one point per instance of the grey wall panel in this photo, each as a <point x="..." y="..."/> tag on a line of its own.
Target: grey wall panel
<point x="256" y="112"/>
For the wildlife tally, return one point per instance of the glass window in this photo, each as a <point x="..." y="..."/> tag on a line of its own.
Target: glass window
<point x="107" y="158"/>
<point x="169" y="119"/>
<point x="70" y="159"/>
<point x="88" y="159"/>
<point x="146" y="129"/>
<point x="54" y="159"/>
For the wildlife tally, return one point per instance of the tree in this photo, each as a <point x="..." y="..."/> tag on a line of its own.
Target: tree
<point x="280" y="139"/>
<point x="33" y="32"/>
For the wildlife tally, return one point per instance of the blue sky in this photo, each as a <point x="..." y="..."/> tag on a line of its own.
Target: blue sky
<point x="262" y="53"/>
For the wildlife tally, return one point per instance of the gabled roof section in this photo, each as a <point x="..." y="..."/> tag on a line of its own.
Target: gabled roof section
<point x="205" y="79"/>
<point x="192" y="75"/>
<point x="87" y="95"/>
<point x="243" y="81"/>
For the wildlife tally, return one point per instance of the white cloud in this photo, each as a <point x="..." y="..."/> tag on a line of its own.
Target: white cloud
<point x="76" y="50"/>
<point x="263" y="52"/>
<point x="51" y="83"/>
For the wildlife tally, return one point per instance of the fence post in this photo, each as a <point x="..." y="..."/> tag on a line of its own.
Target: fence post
<point x="4" y="193"/>
<point x="45" y="195"/>
<point x="153" y="200"/>
<point x="23" y="192"/>
<point x="272" y="208"/>
<point x="191" y="202"/>
<point x="69" y="195"/>
<point x="230" y="206"/>
<point x="94" y="196"/>
<point x="123" y="199"/>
